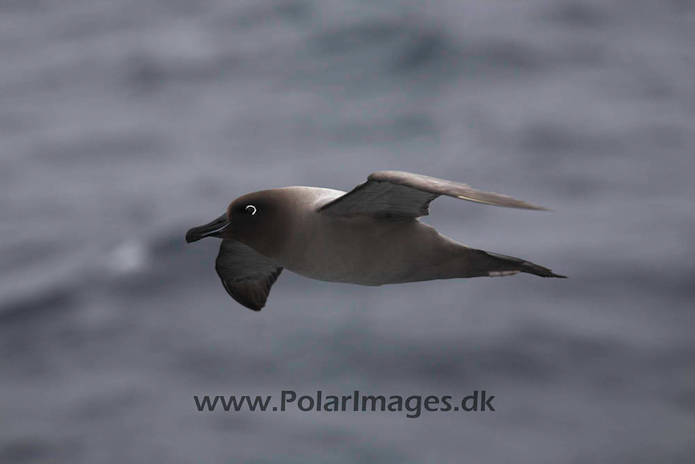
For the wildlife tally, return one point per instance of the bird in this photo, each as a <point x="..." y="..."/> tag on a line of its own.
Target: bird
<point x="370" y="235"/>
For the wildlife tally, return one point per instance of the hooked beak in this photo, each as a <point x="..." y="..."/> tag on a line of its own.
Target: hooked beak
<point x="211" y="229"/>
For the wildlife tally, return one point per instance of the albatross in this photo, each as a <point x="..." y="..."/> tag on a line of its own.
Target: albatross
<point x="368" y="236"/>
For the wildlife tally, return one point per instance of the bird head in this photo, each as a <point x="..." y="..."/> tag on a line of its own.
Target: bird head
<point x="259" y="220"/>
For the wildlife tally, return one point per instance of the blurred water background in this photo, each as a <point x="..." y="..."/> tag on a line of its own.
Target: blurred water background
<point x="124" y="123"/>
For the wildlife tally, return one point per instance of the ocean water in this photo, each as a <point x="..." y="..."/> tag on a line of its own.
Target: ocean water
<point x="125" y="123"/>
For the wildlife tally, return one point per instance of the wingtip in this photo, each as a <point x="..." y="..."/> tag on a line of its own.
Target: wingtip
<point x="533" y="207"/>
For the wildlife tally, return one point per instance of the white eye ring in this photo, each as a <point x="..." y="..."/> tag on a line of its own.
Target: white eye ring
<point x="251" y="209"/>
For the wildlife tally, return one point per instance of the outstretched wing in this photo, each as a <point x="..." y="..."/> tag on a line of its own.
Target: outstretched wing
<point x="246" y="275"/>
<point x="402" y="195"/>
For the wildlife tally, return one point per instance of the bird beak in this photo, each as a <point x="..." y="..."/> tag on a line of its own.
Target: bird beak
<point x="211" y="229"/>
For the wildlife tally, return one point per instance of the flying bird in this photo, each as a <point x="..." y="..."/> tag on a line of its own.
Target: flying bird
<point x="368" y="236"/>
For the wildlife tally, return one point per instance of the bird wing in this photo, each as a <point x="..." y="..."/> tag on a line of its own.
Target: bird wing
<point x="403" y="195"/>
<point x="246" y="275"/>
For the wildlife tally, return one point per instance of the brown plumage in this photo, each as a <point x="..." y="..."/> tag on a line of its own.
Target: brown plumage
<point x="368" y="236"/>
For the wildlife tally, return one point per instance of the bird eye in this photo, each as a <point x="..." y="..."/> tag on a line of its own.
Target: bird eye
<point x="251" y="209"/>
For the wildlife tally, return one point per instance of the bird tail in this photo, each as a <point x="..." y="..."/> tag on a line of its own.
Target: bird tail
<point x="501" y="265"/>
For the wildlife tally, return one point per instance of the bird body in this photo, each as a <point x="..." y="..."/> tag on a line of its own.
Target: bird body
<point x="369" y="236"/>
<point x="333" y="249"/>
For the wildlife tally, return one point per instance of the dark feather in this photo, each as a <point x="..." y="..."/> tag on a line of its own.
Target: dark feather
<point x="246" y="275"/>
